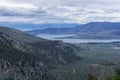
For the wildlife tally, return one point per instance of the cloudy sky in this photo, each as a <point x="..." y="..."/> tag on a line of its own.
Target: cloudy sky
<point x="59" y="11"/>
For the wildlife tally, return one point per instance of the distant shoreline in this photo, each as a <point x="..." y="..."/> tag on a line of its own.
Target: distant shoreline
<point x="52" y="37"/>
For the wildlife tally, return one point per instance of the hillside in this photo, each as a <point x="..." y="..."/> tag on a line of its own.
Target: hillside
<point x="32" y="60"/>
<point x="16" y="64"/>
<point x="19" y="35"/>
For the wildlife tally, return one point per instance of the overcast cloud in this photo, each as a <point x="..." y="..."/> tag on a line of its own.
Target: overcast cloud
<point x="59" y="11"/>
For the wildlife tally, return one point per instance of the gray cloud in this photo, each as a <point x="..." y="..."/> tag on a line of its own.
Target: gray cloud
<point x="59" y="11"/>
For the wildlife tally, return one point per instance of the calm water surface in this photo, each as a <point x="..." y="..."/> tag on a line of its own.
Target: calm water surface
<point x="52" y="37"/>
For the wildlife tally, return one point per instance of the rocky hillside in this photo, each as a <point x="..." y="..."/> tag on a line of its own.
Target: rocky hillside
<point x="26" y="60"/>
<point x="20" y="35"/>
<point x="16" y="64"/>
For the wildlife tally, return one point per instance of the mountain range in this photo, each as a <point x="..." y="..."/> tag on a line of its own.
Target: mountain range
<point x="93" y="30"/>
<point x="31" y="26"/>
<point x="26" y="57"/>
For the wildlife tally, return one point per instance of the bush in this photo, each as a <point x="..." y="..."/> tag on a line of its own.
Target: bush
<point x="117" y="76"/>
<point x="91" y="77"/>
<point x="9" y="79"/>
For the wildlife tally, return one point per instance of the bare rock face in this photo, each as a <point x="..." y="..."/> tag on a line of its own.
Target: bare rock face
<point x="101" y="72"/>
<point x="23" y="70"/>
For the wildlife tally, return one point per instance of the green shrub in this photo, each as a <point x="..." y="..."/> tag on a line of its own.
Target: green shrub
<point x="91" y="77"/>
<point x="117" y="76"/>
<point x="9" y="79"/>
<point x="114" y="78"/>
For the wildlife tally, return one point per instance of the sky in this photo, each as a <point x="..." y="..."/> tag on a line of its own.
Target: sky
<point x="59" y="11"/>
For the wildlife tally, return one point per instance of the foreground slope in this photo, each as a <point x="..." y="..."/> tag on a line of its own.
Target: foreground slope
<point x="26" y="60"/>
<point x="18" y="65"/>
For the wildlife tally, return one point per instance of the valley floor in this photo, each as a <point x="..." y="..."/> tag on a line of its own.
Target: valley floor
<point x="105" y="54"/>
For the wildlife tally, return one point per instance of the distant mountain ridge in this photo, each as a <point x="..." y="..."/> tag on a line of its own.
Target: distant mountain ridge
<point x="31" y="26"/>
<point x="92" y="30"/>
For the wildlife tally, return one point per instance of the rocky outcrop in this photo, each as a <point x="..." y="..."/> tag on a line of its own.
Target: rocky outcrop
<point x="101" y="72"/>
<point x="23" y="70"/>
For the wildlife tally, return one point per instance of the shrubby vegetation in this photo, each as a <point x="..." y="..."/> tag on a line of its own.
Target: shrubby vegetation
<point x="117" y="76"/>
<point x="91" y="77"/>
<point x="9" y="79"/>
